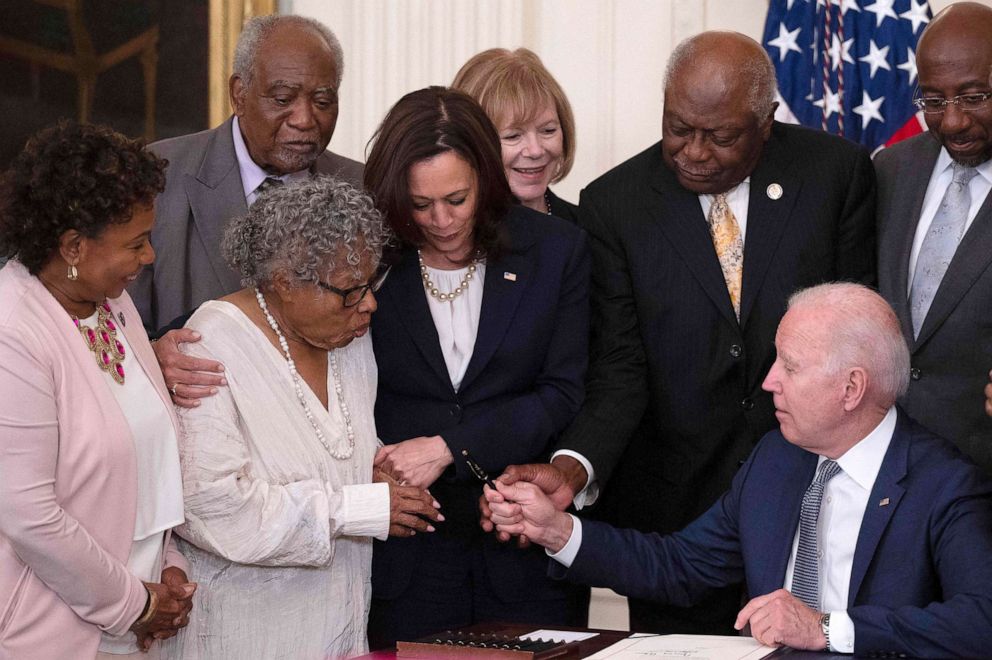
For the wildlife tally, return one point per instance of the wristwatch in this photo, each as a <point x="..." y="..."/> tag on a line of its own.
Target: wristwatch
<point x="825" y="627"/>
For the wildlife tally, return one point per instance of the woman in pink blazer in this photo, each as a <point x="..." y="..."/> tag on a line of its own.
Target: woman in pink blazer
<point x="89" y="476"/>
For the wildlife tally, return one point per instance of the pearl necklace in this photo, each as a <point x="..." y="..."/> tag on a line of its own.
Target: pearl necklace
<point x="297" y="383"/>
<point x="432" y="288"/>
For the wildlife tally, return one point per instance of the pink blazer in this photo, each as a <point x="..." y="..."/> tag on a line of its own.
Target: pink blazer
<point x="68" y="479"/>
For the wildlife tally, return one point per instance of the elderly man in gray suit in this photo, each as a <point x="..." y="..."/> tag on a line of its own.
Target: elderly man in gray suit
<point x="935" y="231"/>
<point x="284" y="90"/>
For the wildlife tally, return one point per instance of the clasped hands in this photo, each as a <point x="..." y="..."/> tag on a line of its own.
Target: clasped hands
<point x="171" y="605"/>
<point x="410" y="467"/>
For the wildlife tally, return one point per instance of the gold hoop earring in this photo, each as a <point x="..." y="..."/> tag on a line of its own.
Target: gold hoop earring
<point x="72" y="274"/>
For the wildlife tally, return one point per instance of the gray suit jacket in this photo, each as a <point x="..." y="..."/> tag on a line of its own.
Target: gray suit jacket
<point x="203" y="190"/>
<point x="953" y="354"/>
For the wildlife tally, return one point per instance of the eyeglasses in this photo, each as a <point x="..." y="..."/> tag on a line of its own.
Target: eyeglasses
<point x="934" y="105"/>
<point x="355" y="294"/>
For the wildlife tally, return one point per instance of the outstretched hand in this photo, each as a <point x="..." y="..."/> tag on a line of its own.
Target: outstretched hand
<point x="524" y="509"/>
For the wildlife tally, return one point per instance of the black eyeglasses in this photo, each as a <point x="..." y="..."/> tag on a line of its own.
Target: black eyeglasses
<point x="934" y="105"/>
<point x="354" y="295"/>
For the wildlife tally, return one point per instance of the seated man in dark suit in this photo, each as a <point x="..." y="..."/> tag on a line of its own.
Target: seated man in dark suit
<point x="854" y="528"/>
<point x="284" y="90"/>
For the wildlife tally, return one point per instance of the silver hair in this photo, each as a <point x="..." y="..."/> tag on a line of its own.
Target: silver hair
<point x="304" y="229"/>
<point x="863" y="331"/>
<point x="758" y="70"/>
<point x="257" y="28"/>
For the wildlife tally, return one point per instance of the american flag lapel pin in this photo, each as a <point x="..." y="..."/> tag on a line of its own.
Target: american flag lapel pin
<point x="884" y="502"/>
<point x="512" y="277"/>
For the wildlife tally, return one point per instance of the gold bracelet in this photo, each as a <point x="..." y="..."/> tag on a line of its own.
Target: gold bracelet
<point x="150" y="610"/>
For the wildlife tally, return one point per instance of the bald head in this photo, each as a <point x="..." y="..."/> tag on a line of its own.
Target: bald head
<point x="737" y="63"/>
<point x="954" y="58"/>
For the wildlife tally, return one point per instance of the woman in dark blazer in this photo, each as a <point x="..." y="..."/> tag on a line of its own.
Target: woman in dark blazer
<point x="481" y="343"/>
<point x="534" y="121"/>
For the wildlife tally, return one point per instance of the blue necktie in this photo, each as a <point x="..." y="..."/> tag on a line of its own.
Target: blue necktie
<point x="940" y="244"/>
<point x="806" y="573"/>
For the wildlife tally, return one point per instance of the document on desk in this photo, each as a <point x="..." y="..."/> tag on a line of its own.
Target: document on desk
<point x="690" y="647"/>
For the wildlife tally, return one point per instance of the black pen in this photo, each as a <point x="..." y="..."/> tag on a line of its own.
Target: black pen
<point x="477" y="470"/>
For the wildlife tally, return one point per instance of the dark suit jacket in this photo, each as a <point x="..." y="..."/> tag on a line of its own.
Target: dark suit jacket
<point x="562" y="208"/>
<point x="523" y="384"/>
<point x="953" y="355"/>
<point x="921" y="581"/>
<point x="673" y="396"/>
<point x="203" y="190"/>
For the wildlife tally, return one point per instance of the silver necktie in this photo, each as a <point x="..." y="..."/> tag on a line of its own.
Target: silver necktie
<point x="940" y="244"/>
<point x="806" y="573"/>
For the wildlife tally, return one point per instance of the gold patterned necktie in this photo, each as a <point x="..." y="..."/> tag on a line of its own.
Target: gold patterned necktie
<point x="729" y="247"/>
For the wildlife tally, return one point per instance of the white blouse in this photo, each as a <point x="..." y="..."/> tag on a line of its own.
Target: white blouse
<point x="279" y="531"/>
<point x="160" y="491"/>
<point x="457" y="321"/>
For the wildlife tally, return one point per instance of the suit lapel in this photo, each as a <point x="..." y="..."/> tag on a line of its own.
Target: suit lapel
<point x="971" y="259"/>
<point x="678" y="213"/>
<point x="216" y="195"/>
<point x="500" y="299"/>
<point x="767" y="218"/>
<point x="877" y="515"/>
<point x="782" y="523"/>
<point x="405" y="291"/>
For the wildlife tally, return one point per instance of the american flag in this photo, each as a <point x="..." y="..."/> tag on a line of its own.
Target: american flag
<point x="848" y="67"/>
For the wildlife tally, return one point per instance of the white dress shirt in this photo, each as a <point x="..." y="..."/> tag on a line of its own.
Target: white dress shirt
<point x="940" y="179"/>
<point x="845" y="498"/>
<point x="457" y="321"/>
<point x="252" y="175"/>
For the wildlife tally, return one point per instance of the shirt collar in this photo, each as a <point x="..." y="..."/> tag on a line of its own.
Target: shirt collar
<point x="945" y="163"/>
<point x="251" y="174"/>
<point x="863" y="461"/>
<point x="741" y="189"/>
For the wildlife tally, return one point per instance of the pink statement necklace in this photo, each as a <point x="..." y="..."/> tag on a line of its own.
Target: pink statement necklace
<point x="103" y="342"/>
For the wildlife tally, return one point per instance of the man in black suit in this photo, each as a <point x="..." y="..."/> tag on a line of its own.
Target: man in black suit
<point x="942" y="291"/>
<point x="697" y="244"/>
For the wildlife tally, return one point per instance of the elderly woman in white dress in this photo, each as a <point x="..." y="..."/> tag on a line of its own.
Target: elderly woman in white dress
<point x="277" y="468"/>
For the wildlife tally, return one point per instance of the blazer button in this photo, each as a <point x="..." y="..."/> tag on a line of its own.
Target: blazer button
<point x="455" y="410"/>
<point x="747" y="403"/>
<point x="736" y="351"/>
<point x="914" y="373"/>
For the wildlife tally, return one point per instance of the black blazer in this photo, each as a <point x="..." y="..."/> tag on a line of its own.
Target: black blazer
<point x="953" y="355"/>
<point x="673" y="398"/>
<point x="561" y="208"/>
<point x="523" y="385"/>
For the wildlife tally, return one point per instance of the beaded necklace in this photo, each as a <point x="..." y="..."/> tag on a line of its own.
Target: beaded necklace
<point x="298" y="384"/>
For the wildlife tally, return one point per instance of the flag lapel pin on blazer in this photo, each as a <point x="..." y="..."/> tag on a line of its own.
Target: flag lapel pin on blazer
<point x="884" y="502"/>
<point x="512" y="277"/>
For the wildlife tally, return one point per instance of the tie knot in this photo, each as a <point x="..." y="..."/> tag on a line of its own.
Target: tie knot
<point x="828" y="470"/>
<point x="963" y="174"/>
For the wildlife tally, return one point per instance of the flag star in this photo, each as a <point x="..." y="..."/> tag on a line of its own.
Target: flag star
<point x="785" y="41"/>
<point x="846" y="5"/>
<point x="869" y="109"/>
<point x="917" y="14"/>
<point x="840" y="52"/>
<point x="909" y="66"/>
<point x="830" y="102"/>
<point x="876" y="58"/>
<point x="881" y="9"/>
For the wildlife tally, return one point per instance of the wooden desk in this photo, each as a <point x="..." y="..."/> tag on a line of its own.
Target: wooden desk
<point x="590" y="646"/>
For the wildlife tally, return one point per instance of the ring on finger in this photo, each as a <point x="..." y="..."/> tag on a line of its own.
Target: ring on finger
<point x="173" y="389"/>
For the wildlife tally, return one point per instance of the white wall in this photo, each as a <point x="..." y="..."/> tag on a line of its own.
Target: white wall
<point x="608" y="55"/>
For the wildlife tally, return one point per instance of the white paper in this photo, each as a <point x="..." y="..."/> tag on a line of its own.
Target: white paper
<point x="689" y="647"/>
<point x="558" y="635"/>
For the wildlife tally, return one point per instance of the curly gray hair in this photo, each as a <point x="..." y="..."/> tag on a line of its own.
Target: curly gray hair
<point x="304" y="229"/>
<point x="257" y="28"/>
<point x="757" y="70"/>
